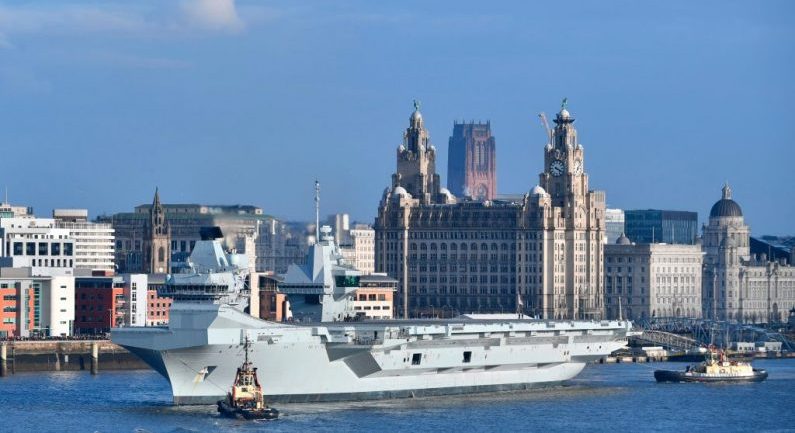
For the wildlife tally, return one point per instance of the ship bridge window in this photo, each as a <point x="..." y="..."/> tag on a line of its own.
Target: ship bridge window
<point x="467" y="356"/>
<point x="416" y="358"/>
<point x="346" y="281"/>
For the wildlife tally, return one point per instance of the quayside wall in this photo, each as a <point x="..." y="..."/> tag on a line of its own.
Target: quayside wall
<point x="90" y="355"/>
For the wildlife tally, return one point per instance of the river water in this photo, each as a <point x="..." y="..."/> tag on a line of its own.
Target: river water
<point x="604" y="398"/>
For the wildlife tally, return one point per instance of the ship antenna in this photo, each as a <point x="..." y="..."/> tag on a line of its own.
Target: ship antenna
<point x="246" y="347"/>
<point x="317" y="211"/>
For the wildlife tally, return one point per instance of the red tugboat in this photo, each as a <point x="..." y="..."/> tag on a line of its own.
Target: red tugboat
<point x="246" y="400"/>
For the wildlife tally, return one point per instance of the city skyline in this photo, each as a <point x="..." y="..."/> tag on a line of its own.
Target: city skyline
<point x="666" y="121"/>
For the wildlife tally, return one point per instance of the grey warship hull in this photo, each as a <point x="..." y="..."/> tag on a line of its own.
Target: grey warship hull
<point x="200" y="350"/>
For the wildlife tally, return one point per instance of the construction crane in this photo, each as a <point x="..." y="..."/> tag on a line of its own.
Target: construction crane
<point x="544" y="122"/>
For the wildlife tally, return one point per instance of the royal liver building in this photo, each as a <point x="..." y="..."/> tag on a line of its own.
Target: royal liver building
<point x="540" y="255"/>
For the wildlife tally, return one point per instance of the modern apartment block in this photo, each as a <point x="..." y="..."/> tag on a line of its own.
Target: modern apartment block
<point x="108" y="301"/>
<point x="94" y="242"/>
<point x="40" y="306"/>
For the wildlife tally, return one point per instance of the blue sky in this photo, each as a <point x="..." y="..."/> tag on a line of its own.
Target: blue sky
<point x="249" y="102"/>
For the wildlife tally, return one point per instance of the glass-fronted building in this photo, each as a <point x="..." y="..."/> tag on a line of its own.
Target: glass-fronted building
<point x="661" y="226"/>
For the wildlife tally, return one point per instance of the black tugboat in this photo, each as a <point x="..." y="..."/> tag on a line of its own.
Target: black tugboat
<point x="716" y="368"/>
<point x="246" y="400"/>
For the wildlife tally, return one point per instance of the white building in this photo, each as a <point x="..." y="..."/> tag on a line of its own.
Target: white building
<point x="37" y="244"/>
<point x="36" y="305"/>
<point x="614" y="224"/>
<point x="738" y="286"/>
<point x="94" y="242"/>
<point x="652" y="280"/>
<point x="7" y="210"/>
<point x="136" y="287"/>
<point x="360" y="250"/>
<point x="58" y="300"/>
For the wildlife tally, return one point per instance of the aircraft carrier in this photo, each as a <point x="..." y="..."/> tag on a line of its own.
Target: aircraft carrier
<point x="200" y="349"/>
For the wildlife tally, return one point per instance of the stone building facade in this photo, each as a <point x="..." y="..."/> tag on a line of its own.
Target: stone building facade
<point x="540" y="255"/>
<point x="358" y="248"/>
<point x="738" y="286"/>
<point x="643" y="281"/>
<point x="472" y="161"/>
<point x="246" y="229"/>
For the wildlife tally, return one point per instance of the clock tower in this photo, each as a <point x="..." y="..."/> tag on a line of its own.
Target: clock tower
<point x="564" y="175"/>
<point x="568" y="219"/>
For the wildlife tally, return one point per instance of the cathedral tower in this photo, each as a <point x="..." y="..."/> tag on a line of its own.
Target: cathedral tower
<point x="157" y="240"/>
<point x="472" y="161"/>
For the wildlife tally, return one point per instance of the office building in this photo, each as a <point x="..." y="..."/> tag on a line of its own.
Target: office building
<point x="103" y="302"/>
<point x="542" y="255"/>
<point x="359" y="250"/>
<point x="739" y="286"/>
<point x="614" y="224"/>
<point x="36" y="243"/>
<point x="661" y="226"/>
<point x="35" y="306"/>
<point x="644" y="281"/>
<point x="94" y="242"/>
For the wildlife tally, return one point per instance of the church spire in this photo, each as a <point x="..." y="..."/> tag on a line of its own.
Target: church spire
<point x="156" y="201"/>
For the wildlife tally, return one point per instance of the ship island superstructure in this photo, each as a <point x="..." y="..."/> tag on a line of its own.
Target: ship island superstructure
<point x="201" y="348"/>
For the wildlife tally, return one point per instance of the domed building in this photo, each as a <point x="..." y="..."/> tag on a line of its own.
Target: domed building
<point x="540" y="254"/>
<point x="736" y="285"/>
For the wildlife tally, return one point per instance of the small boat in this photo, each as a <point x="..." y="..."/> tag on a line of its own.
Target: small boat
<point x="715" y="368"/>
<point x="245" y="399"/>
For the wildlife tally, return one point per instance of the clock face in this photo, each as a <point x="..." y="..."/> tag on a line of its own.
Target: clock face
<point x="578" y="166"/>
<point x="557" y="167"/>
